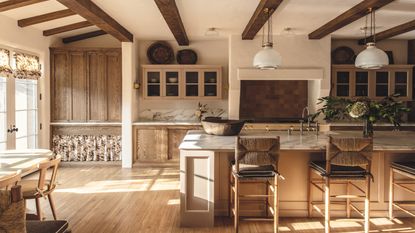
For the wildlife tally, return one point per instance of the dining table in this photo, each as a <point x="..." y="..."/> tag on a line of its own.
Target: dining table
<point x="22" y="161"/>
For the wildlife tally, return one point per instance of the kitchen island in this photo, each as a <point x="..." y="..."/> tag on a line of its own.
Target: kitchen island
<point x="205" y="161"/>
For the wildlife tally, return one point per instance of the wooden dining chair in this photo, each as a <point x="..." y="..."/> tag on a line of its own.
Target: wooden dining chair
<point x="256" y="161"/>
<point x="12" y="206"/>
<point x="348" y="160"/>
<point x="407" y="170"/>
<point x="43" y="187"/>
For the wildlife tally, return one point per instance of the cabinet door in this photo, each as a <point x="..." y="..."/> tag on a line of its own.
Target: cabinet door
<point x="361" y="83"/>
<point x="192" y="80"/>
<point x="400" y="83"/>
<point x="97" y="77"/>
<point x="152" y="83"/>
<point x="79" y="85"/>
<point x="382" y="83"/>
<point x="211" y="83"/>
<point x="114" y="83"/>
<point x="171" y="80"/>
<point x="61" y="86"/>
<point x="342" y="80"/>
<point x="151" y="144"/>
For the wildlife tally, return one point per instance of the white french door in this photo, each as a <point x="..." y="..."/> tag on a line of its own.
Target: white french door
<point x="18" y="114"/>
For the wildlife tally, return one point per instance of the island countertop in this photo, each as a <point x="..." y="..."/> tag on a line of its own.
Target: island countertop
<point x="399" y="141"/>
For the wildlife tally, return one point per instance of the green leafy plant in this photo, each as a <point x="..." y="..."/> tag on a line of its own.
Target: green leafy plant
<point x="337" y="108"/>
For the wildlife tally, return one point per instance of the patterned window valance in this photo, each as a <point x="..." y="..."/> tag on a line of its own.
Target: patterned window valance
<point x="27" y="66"/>
<point x="5" y="69"/>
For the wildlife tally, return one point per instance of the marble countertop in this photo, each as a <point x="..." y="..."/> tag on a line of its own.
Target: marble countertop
<point x="85" y="123"/>
<point x="383" y="140"/>
<point x="168" y="123"/>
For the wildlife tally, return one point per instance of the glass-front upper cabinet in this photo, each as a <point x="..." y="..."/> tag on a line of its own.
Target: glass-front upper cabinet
<point x="342" y="83"/>
<point x="152" y="81"/>
<point x="182" y="82"/>
<point x="400" y="81"/>
<point x="381" y="83"/>
<point x="361" y="88"/>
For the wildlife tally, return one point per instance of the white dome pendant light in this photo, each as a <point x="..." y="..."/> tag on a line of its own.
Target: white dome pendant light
<point x="372" y="57"/>
<point x="267" y="58"/>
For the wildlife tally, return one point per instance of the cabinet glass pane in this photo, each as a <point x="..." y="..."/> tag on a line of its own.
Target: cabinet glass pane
<point x="401" y="77"/>
<point x="192" y="77"/>
<point x="210" y="90"/>
<point x="343" y="77"/>
<point x="153" y="77"/>
<point x="153" y="90"/>
<point x="401" y="90"/>
<point x="361" y="90"/>
<point x="210" y="77"/>
<point x="362" y="77"/>
<point x="192" y="90"/>
<point x="342" y="90"/>
<point x="172" y="90"/>
<point x="382" y="90"/>
<point x="382" y="77"/>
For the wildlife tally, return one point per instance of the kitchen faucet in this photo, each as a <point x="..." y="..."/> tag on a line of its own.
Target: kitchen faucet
<point x="303" y="116"/>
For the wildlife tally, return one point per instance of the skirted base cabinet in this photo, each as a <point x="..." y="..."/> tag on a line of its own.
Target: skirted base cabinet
<point x="94" y="144"/>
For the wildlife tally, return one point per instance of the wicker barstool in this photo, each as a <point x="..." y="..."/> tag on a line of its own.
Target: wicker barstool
<point x="406" y="169"/>
<point x="348" y="160"/>
<point x="256" y="161"/>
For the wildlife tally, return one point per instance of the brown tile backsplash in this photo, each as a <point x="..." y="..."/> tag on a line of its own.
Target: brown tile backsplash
<point x="272" y="99"/>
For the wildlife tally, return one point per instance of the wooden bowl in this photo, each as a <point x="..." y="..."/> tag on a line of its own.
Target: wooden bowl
<point x="222" y="127"/>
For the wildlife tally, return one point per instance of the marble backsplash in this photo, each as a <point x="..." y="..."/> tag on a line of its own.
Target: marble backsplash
<point x="179" y="114"/>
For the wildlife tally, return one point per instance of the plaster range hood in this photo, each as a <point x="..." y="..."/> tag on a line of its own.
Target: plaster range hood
<point x="283" y="73"/>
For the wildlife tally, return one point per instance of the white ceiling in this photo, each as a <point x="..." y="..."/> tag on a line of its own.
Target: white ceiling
<point x="143" y="19"/>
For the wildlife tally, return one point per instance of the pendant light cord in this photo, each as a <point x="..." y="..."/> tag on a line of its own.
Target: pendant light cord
<point x="374" y="26"/>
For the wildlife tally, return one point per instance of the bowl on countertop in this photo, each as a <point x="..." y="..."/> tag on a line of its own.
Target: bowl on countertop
<point x="222" y="127"/>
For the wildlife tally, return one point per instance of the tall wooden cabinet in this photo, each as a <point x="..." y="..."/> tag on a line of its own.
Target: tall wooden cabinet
<point x="85" y="85"/>
<point x="349" y="81"/>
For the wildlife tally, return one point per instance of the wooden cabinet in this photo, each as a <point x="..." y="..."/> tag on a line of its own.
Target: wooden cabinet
<point x="349" y="81"/>
<point x="85" y="85"/>
<point x="182" y="82"/>
<point x="159" y="143"/>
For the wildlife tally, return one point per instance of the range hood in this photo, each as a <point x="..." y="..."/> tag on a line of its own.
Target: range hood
<point x="284" y="73"/>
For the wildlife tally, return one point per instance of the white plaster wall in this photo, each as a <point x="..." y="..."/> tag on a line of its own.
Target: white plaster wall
<point x="213" y="52"/>
<point x="32" y="41"/>
<point x="398" y="47"/>
<point x="296" y="51"/>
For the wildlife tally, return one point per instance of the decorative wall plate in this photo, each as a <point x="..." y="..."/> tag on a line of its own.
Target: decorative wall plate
<point x="343" y="55"/>
<point x="186" y="56"/>
<point x="160" y="53"/>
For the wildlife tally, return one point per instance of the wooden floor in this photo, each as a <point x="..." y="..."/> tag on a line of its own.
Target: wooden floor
<point x="106" y="198"/>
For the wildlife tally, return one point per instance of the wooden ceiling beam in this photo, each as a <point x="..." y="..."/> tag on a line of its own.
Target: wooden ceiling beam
<point x="259" y="18"/>
<point x="349" y="16"/>
<point x="67" y="28"/>
<point x="13" y="4"/>
<point x="94" y="14"/>
<point x="83" y="36"/>
<point x="400" y="29"/>
<point x="171" y="15"/>
<point x="45" y="17"/>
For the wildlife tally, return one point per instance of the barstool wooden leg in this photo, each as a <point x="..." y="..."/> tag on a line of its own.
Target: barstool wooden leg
<point x="38" y="209"/>
<point x="276" y="206"/>
<point x="310" y="193"/>
<point x="236" y="203"/>
<point x="391" y="192"/>
<point x="367" y="205"/>
<point x="267" y="199"/>
<point x="52" y="206"/>
<point x="348" y="200"/>
<point x="327" y="206"/>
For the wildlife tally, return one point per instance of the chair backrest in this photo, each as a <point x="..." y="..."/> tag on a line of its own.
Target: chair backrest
<point x="349" y="151"/>
<point x="9" y="181"/>
<point x="257" y="151"/>
<point x="43" y="168"/>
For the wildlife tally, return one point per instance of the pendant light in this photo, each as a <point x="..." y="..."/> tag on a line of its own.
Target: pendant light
<point x="371" y="57"/>
<point x="267" y="57"/>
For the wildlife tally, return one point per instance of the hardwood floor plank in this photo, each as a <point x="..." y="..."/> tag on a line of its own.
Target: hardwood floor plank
<point x="104" y="198"/>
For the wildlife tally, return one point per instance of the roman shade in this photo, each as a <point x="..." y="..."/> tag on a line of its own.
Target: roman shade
<point x="27" y="66"/>
<point x="5" y="69"/>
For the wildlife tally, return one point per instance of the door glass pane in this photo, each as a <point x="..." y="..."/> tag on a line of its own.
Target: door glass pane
<point x="362" y="84"/>
<point x="401" y="77"/>
<point x="192" y="83"/>
<point x="172" y="83"/>
<point x="342" y="77"/>
<point x="153" y="83"/>
<point x="210" y="83"/>
<point x="382" y="83"/>
<point x="26" y="113"/>
<point x="3" y="113"/>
